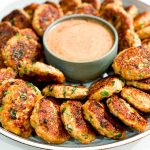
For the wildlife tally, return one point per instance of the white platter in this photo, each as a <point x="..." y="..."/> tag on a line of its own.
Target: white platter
<point x="100" y="142"/>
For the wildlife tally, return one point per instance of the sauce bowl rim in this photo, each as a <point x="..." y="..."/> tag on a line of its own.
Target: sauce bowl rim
<point x="81" y="16"/>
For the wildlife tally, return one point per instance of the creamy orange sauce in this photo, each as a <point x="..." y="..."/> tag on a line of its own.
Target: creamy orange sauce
<point x="80" y="40"/>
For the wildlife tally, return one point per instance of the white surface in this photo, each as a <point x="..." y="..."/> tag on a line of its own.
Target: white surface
<point x="8" y="144"/>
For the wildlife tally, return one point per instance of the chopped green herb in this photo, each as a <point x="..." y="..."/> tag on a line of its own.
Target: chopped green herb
<point x="33" y="87"/>
<point x="68" y="128"/>
<point x="63" y="110"/>
<point x="13" y="113"/>
<point x="128" y="97"/>
<point x="102" y="124"/>
<point x="118" y="135"/>
<point x="1" y="108"/>
<point x="23" y="96"/>
<point x="122" y="79"/>
<point x="113" y="83"/>
<point x="104" y="93"/>
<point x="85" y="136"/>
<point x="141" y="75"/>
<point x="74" y="89"/>
<point x="64" y="92"/>
<point x="109" y="101"/>
<point x="141" y="25"/>
<point x="45" y="121"/>
<point x="50" y="88"/>
<point x="25" y="70"/>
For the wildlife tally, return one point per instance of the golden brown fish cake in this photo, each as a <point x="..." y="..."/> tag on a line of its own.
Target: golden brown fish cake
<point x="102" y="120"/>
<point x="142" y="84"/>
<point x="18" y="18"/>
<point x="44" y="15"/>
<point x="7" y="73"/>
<point x="42" y="72"/>
<point x="133" y="63"/>
<point x="132" y="10"/>
<point x="18" y="102"/>
<point x="117" y="16"/>
<point x="65" y="91"/>
<point x="29" y="33"/>
<point x="139" y="99"/>
<point x="144" y="33"/>
<point x="69" y="5"/>
<point x="96" y="3"/>
<point x="73" y="120"/>
<point x="6" y="32"/>
<point x="146" y="43"/>
<point x="104" y="88"/>
<point x="46" y="121"/>
<point x="18" y="49"/>
<point x="86" y="8"/>
<point x="117" y="2"/>
<point x="142" y="20"/>
<point x="128" y="115"/>
<point x="129" y="38"/>
<point x="30" y="9"/>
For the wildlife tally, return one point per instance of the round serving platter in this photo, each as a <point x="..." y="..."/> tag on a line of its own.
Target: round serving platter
<point x="100" y="142"/>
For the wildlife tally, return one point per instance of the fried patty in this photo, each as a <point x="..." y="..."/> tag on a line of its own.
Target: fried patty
<point x="30" y="9"/>
<point x="69" y="5"/>
<point x="65" y="91"/>
<point x="142" y="84"/>
<point x="72" y="118"/>
<point x="96" y="3"/>
<point x="44" y="15"/>
<point x="133" y="63"/>
<point x="129" y="38"/>
<point x="139" y="99"/>
<point x="132" y="10"/>
<point x="18" y="49"/>
<point x="104" y="88"/>
<point x="86" y="8"/>
<point x="17" y="104"/>
<point x="46" y="121"/>
<point x="29" y="33"/>
<point x="117" y="16"/>
<point x="144" y="33"/>
<point x="18" y="18"/>
<point x="142" y="20"/>
<point x="6" y="32"/>
<point x="7" y="73"/>
<point x="102" y="120"/>
<point x="121" y="109"/>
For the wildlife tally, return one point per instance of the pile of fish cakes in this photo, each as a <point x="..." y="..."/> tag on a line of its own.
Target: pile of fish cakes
<point x="56" y="110"/>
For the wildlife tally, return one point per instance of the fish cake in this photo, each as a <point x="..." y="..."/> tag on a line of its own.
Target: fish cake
<point x="104" y="88"/>
<point x="30" y="9"/>
<point x="97" y="115"/>
<point x="44" y="15"/>
<point x="6" y="32"/>
<point x="86" y="8"/>
<point x="142" y="21"/>
<point x="132" y="10"/>
<point x="128" y="115"/>
<point x="117" y="16"/>
<point x="144" y="33"/>
<point x="18" y="49"/>
<point x="18" y="18"/>
<point x="46" y="121"/>
<point x="73" y="120"/>
<point x="96" y="3"/>
<point x="7" y="73"/>
<point x="142" y="84"/>
<point x="18" y="102"/>
<point x="139" y="99"/>
<point x="68" y="5"/>
<point x="29" y="33"/>
<point x="129" y="39"/>
<point x="41" y="72"/>
<point x="133" y="63"/>
<point x="65" y="91"/>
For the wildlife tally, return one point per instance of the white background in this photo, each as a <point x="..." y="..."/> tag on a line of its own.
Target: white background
<point x="8" y="144"/>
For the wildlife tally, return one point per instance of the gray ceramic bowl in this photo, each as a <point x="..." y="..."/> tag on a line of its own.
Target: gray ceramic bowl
<point x="82" y="71"/>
